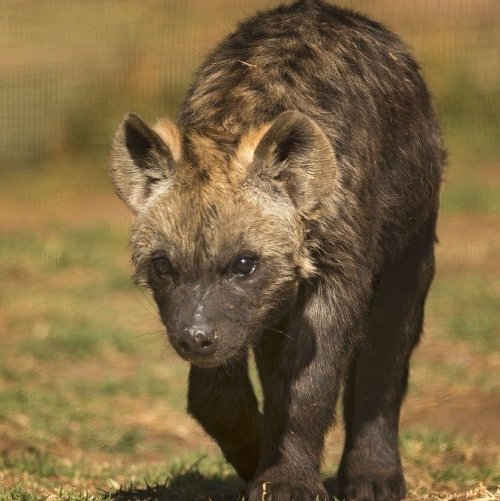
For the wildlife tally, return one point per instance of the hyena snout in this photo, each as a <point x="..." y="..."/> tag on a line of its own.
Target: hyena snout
<point x="199" y="339"/>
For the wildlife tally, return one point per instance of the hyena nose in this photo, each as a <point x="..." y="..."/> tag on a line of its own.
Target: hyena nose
<point x="198" y="340"/>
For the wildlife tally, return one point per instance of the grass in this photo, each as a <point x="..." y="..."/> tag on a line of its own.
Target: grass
<point x="92" y="399"/>
<point x="62" y="248"/>
<point x="468" y="308"/>
<point x="465" y="108"/>
<point x="187" y="481"/>
<point x="80" y="339"/>
<point x="451" y="460"/>
<point x="475" y="197"/>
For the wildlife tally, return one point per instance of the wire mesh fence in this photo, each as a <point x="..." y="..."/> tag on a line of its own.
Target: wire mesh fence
<point x="70" y="70"/>
<point x="89" y="392"/>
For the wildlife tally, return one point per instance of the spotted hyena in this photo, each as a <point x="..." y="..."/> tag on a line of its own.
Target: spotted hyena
<point x="291" y="211"/>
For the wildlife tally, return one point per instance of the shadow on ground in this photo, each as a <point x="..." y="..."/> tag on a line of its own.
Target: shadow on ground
<point x="185" y="486"/>
<point x="194" y="486"/>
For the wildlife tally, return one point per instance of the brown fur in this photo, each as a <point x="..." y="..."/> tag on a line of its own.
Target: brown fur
<point x="292" y="210"/>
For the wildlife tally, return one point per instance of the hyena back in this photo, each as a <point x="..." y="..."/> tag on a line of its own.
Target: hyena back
<point x="291" y="210"/>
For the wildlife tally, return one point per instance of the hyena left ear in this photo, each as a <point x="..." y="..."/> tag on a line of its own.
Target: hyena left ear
<point x="140" y="157"/>
<point x="296" y="153"/>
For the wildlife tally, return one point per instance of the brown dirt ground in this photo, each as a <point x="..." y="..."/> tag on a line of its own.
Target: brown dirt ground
<point x="466" y="411"/>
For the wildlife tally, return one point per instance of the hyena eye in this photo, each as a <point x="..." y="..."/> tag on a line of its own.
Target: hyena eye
<point x="244" y="265"/>
<point x="161" y="266"/>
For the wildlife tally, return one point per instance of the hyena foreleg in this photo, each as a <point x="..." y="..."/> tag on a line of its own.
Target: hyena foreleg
<point x="300" y="397"/>
<point x="222" y="400"/>
<point x="371" y="466"/>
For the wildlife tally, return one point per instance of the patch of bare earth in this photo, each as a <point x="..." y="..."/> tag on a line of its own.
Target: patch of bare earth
<point x="457" y="408"/>
<point x="78" y="211"/>
<point x="467" y="242"/>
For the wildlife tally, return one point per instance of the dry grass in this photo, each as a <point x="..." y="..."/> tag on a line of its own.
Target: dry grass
<point x="91" y="397"/>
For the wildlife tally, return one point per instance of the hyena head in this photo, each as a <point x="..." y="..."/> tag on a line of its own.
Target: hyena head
<point x="222" y="238"/>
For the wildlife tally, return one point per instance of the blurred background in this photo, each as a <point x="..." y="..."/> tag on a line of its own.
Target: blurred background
<point x="91" y="396"/>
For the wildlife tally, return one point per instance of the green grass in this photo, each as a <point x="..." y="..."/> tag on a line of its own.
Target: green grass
<point x="34" y="461"/>
<point x="92" y="401"/>
<point x="447" y="458"/>
<point x="467" y="110"/>
<point x="450" y="459"/>
<point x="202" y="479"/>
<point x="61" y="249"/>
<point x="475" y="197"/>
<point x="468" y="475"/>
<point x="468" y="308"/>
<point x="78" y="339"/>
<point x="144" y="383"/>
<point x="183" y="479"/>
<point x="78" y="373"/>
<point x="18" y="493"/>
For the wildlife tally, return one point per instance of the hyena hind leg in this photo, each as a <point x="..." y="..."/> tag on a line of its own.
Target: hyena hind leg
<point x="222" y="400"/>
<point x="371" y="467"/>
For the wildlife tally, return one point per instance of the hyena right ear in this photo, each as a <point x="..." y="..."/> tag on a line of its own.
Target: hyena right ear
<point x="140" y="157"/>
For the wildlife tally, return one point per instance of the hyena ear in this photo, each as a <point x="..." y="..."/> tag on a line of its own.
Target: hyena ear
<point x="296" y="153"/>
<point x="140" y="157"/>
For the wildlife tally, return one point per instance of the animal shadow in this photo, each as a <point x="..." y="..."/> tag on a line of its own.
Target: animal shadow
<point x="190" y="485"/>
<point x="193" y="486"/>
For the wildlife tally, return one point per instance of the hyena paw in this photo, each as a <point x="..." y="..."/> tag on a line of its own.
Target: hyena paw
<point x="373" y="488"/>
<point x="282" y="491"/>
